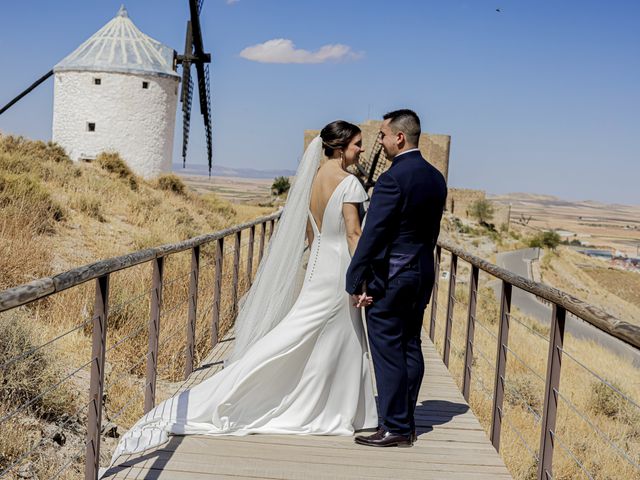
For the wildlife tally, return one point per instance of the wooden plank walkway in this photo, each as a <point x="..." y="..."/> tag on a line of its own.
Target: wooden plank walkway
<point x="451" y="444"/>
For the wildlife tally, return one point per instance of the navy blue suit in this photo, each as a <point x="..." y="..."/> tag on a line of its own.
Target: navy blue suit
<point x="394" y="258"/>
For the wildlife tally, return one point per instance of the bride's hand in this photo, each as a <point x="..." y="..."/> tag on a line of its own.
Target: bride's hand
<point x="362" y="300"/>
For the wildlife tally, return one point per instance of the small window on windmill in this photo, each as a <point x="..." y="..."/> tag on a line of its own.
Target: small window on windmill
<point x="97" y="81"/>
<point x="145" y="85"/>
<point x="91" y="127"/>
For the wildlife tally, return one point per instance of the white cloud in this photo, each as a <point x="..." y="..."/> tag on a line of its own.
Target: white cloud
<point x="281" y="50"/>
<point x="231" y="2"/>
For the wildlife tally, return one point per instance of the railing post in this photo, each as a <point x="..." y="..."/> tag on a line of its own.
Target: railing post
<point x="236" y="272"/>
<point x="501" y="356"/>
<point x="450" y="306"/>
<point x="263" y="232"/>
<point x="252" y="237"/>
<point x="273" y="226"/>
<point x="552" y="386"/>
<point x="94" y="414"/>
<point x="154" y="333"/>
<point x="217" y="292"/>
<point x="434" y="294"/>
<point x="193" y="309"/>
<point x="471" y="327"/>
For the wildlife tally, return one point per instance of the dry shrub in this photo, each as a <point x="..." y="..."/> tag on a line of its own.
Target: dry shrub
<point x="113" y="163"/>
<point x="90" y="205"/>
<point x="30" y="377"/>
<point x="211" y="202"/>
<point x="36" y="150"/>
<point x="606" y="401"/>
<point x="22" y="191"/>
<point x="171" y="183"/>
<point x="487" y="308"/>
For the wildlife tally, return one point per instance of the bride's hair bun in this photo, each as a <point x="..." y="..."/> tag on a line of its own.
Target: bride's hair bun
<point x="337" y="135"/>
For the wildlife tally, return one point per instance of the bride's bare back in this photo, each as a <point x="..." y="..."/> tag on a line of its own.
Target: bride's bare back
<point x="327" y="180"/>
<point x="325" y="183"/>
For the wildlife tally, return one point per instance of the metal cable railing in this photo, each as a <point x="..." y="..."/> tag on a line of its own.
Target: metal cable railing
<point x="518" y="433"/>
<point x="27" y="404"/>
<point x="33" y="350"/>
<point x="519" y="322"/>
<point x="566" y="448"/>
<point x="600" y="433"/>
<point x="100" y="272"/>
<point x="496" y="298"/>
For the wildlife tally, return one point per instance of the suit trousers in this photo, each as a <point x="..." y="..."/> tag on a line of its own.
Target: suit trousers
<point x="394" y="324"/>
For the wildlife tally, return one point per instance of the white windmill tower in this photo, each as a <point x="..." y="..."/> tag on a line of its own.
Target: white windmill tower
<point x="118" y="91"/>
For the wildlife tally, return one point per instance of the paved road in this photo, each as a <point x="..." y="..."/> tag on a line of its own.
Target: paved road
<point x="519" y="261"/>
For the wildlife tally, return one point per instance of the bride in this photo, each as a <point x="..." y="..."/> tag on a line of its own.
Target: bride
<point x="300" y="363"/>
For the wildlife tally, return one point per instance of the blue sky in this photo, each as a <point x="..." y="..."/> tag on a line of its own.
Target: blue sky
<point x="541" y="97"/>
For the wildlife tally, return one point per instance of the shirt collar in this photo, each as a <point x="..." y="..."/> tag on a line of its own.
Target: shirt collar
<point x="406" y="151"/>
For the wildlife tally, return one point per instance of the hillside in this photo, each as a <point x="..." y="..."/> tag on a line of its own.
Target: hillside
<point x="56" y="215"/>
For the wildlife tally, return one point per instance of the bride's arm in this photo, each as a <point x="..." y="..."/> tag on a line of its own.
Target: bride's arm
<point x="352" y="223"/>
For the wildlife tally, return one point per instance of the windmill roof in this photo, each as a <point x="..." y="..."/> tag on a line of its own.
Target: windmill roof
<point x="120" y="46"/>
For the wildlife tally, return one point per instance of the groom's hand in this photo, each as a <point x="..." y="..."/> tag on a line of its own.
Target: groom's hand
<point x="361" y="300"/>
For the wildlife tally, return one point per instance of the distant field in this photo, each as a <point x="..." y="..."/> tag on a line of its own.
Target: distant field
<point x="625" y="285"/>
<point x="242" y="190"/>
<point x="597" y="224"/>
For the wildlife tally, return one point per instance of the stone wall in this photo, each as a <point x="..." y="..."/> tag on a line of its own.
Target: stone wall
<point x="434" y="148"/>
<point x="459" y="201"/>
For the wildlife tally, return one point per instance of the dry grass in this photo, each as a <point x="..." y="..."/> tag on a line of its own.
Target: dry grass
<point x="615" y="291"/>
<point x="57" y="215"/>
<point x="609" y="411"/>
<point x="623" y="284"/>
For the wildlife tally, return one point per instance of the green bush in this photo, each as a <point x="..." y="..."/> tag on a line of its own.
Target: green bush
<point x="280" y="185"/>
<point x="546" y="239"/>
<point x="482" y="210"/>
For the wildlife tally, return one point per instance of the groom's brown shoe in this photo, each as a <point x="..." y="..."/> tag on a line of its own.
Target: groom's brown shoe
<point x="383" y="438"/>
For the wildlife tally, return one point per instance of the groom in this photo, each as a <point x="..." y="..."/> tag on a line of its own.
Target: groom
<point x="393" y="263"/>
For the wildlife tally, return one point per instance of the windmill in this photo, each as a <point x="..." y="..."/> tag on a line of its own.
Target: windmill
<point x="195" y="55"/>
<point x="151" y="59"/>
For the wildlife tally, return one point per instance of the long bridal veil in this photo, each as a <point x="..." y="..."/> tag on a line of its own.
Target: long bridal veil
<point x="276" y="285"/>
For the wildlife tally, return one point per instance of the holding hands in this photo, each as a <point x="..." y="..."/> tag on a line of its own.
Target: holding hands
<point x="361" y="300"/>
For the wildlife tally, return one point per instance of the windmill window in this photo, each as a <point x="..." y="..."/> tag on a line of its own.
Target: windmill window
<point x="91" y="127"/>
<point x="145" y="84"/>
<point x="97" y="81"/>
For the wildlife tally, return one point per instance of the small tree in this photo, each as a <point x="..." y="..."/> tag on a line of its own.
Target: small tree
<point x="482" y="210"/>
<point x="280" y="185"/>
<point x="547" y="239"/>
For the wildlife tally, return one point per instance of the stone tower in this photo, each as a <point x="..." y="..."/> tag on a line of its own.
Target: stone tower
<point x="118" y="91"/>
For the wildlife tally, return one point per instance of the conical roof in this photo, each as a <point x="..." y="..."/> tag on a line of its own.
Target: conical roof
<point x="120" y="47"/>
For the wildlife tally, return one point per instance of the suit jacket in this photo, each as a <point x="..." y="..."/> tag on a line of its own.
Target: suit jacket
<point x="402" y="224"/>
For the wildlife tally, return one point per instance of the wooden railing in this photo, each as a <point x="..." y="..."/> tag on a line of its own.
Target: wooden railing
<point x="101" y="272"/>
<point x="561" y="304"/>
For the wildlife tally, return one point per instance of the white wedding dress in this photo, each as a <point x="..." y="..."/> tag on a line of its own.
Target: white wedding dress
<point x="309" y="375"/>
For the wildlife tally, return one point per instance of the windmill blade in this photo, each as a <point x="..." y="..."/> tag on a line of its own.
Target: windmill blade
<point x="25" y="92"/>
<point x="205" y="105"/>
<point x="186" y="95"/>
<point x="198" y="45"/>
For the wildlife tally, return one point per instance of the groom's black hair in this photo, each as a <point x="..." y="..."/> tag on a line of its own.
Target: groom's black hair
<point x="407" y="122"/>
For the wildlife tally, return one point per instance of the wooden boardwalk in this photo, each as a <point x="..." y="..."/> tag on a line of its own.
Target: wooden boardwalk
<point x="451" y="445"/>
